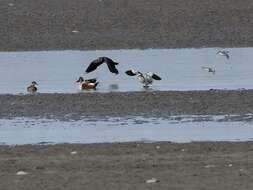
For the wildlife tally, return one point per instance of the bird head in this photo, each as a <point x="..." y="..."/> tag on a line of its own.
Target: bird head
<point x="34" y="83"/>
<point x="80" y="79"/>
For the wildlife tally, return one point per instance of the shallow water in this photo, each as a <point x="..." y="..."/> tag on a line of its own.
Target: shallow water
<point x="92" y="130"/>
<point x="180" y="69"/>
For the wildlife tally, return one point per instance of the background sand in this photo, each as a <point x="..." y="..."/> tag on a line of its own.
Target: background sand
<point x="118" y="24"/>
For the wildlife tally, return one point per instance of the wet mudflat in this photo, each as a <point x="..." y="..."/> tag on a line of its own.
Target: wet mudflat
<point x="122" y="166"/>
<point x="123" y="24"/>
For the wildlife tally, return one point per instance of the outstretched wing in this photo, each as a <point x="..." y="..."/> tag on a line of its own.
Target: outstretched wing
<point x="110" y="61"/>
<point x="156" y="77"/>
<point x="94" y="64"/>
<point x="206" y="68"/>
<point x="91" y="80"/>
<point x="130" y="72"/>
<point x="111" y="65"/>
<point x="112" y="68"/>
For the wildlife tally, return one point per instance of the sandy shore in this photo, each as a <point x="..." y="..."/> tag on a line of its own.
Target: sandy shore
<point x="117" y="24"/>
<point x="151" y="104"/>
<point x="128" y="166"/>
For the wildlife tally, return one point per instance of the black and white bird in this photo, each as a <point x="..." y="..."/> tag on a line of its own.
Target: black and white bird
<point x="87" y="83"/>
<point x="209" y="69"/>
<point x="146" y="78"/>
<point x="32" y="88"/>
<point x="97" y="62"/>
<point x="224" y="53"/>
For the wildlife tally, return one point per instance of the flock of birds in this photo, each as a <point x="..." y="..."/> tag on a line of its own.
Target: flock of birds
<point x="145" y="78"/>
<point x="222" y="53"/>
<point x="85" y="84"/>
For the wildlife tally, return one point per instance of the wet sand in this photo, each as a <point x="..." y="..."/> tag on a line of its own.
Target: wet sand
<point x="128" y="166"/>
<point x="150" y="104"/>
<point x="122" y="24"/>
<point x="117" y="24"/>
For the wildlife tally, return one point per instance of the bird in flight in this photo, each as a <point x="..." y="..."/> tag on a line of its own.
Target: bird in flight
<point x="97" y="62"/>
<point x="145" y="79"/>
<point x="224" y="53"/>
<point x="209" y="69"/>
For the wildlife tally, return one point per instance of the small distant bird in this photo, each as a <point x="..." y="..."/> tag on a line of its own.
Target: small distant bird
<point x="87" y="84"/>
<point x="110" y="63"/>
<point x="32" y="88"/>
<point x="146" y="78"/>
<point x="209" y="69"/>
<point x="224" y="53"/>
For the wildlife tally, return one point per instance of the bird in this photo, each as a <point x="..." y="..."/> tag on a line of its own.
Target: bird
<point x="87" y="84"/>
<point x="209" y="69"/>
<point x="145" y="79"/>
<point x="110" y="63"/>
<point x="224" y="53"/>
<point x="32" y="88"/>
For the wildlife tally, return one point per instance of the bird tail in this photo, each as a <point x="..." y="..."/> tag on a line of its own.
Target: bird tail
<point x="96" y="84"/>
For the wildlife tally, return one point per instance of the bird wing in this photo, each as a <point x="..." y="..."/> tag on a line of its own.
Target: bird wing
<point x="110" y="61"/>
<point x="112" y="68"/>
<point x="227" y="55"/>
<point x="94" y="64"/>
<point x="205" y="68"/>
<point x="130" y="72"/>
<point x="91" y="80"/>
<point x="111" y="65"/>
<point x="156" y="77"/>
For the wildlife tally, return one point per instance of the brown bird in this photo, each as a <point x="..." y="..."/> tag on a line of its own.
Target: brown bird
<point x="97" y="62"/>
<point x="32" y="88"/>
<point x="87" y="84"/>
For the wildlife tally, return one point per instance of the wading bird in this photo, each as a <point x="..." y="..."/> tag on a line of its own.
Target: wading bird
<point x="87" y="84"/>
<point x="32" y="88"/>
<point x="224" y="53"/>
<point x="110" y="63"/>
<point x="146" y="78"/>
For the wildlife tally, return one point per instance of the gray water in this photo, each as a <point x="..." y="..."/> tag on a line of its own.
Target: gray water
<point x="185" y="128"/>
<point x="180" y="69"/>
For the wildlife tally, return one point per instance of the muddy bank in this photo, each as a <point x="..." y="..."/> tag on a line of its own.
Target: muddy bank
<point x="118" y="24"/>
<point x="156" y="104"/>
<point x="128" y="166"/>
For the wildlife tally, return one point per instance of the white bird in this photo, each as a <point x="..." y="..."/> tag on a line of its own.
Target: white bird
<point x="224" y="53"/>
<point x="209" y="69"/>
<point x="146" y="78"/>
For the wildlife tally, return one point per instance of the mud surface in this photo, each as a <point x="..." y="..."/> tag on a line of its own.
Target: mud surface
<point x="128" y="166"/>
<point x="118" y="24"/>
<point x="155" y="104"/>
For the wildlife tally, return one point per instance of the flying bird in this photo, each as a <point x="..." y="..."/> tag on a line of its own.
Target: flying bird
<point x="209" y="69"/>
<point x="224" y="53"/>
<point x="146" y="78"/>
<point x="32" y="88"/>
<point x="87" y="84"/>
<point x="110" y="63"/>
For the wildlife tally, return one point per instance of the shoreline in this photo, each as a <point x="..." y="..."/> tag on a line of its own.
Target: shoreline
<point x="128" y="165"/>
<point x="160" y="104"/>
